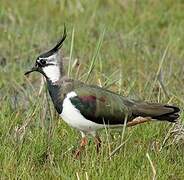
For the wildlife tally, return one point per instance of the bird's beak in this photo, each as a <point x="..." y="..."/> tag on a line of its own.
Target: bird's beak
<point x="35" y="68"/>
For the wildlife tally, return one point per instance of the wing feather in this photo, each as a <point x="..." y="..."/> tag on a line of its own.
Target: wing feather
<point x="101" y="106"/>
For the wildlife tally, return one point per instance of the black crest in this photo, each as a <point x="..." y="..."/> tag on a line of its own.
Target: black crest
<point x="56" y="47"/>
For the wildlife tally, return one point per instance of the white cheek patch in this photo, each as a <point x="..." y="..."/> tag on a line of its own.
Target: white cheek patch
<point x="52" y="72"/>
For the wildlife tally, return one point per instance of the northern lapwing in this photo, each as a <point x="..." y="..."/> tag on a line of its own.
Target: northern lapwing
<point x="89" y="108"/>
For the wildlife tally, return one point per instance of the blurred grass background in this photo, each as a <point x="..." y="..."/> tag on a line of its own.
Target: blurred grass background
<point x="140" y="55"/>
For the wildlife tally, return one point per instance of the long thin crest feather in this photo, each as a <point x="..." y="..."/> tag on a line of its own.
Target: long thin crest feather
<point x="60" y="42"/>
<point x="57" y="46"/>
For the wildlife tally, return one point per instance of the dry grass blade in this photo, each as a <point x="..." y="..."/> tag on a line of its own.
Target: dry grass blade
<point x="71" y="52"/>
<point x="124" y="128"/>
<point x="87" y="177"/>
<point x="107" y="135"/>
<point x="159" y="70"/>
<point x="152" y="166"/>
<point x="160" y="80"/>
<point x="41" y="85"/>
<point x="20" y="132"/>
<point x="92" y="65"/>
<point x="77" y="174"/>
<point x="68" y="150"/>
<point x="118" y="148"/>
<point x="136" y="121"/>
<point x="176" y="133"/>
<point x="168" y="135"/>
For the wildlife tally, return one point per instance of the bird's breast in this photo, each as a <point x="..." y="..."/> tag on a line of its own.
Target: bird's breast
<point x="72" y="116"/>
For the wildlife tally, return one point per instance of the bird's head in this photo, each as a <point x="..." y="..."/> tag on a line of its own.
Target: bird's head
<point x="49" y="63"/>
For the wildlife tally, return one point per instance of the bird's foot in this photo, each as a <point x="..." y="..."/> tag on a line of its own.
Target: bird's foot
<point x="79" y="151"/>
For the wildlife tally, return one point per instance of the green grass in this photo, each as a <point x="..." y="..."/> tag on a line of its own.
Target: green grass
<point x="130" y="47"/>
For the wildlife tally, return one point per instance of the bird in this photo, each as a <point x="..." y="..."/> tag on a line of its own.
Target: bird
<point x="89" y="108"/>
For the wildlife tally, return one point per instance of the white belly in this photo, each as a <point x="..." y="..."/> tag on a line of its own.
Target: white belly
<point x="74" y="118"/>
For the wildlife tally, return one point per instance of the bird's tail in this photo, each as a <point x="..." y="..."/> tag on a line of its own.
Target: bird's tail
<point x="156" y="111"/>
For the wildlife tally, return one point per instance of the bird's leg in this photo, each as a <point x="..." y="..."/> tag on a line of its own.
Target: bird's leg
<point x="138" y="120"/>
<point x="83" y="143"/>
<point x="98" y="143"/>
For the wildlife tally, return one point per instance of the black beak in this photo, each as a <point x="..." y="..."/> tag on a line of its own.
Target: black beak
<point x="35" y="68"/>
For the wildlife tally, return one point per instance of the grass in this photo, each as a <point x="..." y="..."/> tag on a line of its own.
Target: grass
<point x="131" y="47"/>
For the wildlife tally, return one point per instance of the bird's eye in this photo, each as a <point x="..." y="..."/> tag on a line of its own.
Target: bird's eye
<point x="42" y="61"/>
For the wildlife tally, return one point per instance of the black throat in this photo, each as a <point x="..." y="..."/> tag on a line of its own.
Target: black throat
<point x="55" y="92"/>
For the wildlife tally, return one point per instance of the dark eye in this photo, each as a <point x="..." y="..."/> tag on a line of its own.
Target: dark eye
<point x="42" y="61"/>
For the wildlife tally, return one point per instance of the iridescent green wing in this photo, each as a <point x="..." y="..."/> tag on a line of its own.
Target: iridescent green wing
<point x="101" y="106"/>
